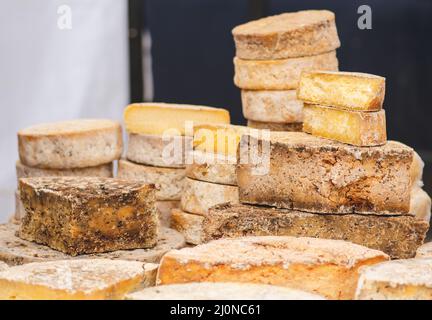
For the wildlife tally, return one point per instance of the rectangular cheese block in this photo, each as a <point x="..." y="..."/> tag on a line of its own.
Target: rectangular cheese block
<point x="409" y="279"/>
<point x="319" y="175"/>
<point x="325" y="267"/>
<point x="170" y="119"/>
<point x="168" y="181"/>
<point x="72" y="280"/>
<point x="188" y="224"/>
<point x="362" y="129"/>
<point x="397" y="236"/>
<point x="88" y="215"/>
<point x="275" y="126"/>
<point x="345" y="90"/>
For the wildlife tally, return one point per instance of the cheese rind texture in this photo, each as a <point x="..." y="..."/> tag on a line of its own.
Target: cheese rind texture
<point x="273" y="126"/>
<point x="420" y="203"/>
<point x="362" y="129"/>
<point x="294" y="34"/>
<point x="221" y="291"/>
<point x="397" y="236"/>
<point x="168" y="181"/>
<point x="3" y="266"/>
<point x="16" y="251"/>
<point x="157" y="150"/>
<point x="165" y="118"/>
<point x="409" y="279"/>
<point x="318" y="175"/>
<point x="70" y="144"/>
<point x="321" y="266"/>
<point x="272" y="106"/>
<point x="279" y="74"/>
<point x="188" y="224"/>
<point x="345" y="90"/>
<point x="72" y="279"/>
<point x="164" y="208"/>
<point x="424" y="251"/>
<point x="199" y="196"/>
<point x="19" y="208"/>
<point x="88" y="215"/>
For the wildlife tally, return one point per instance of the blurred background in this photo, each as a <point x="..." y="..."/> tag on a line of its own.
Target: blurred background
<point x="118" y="51"/>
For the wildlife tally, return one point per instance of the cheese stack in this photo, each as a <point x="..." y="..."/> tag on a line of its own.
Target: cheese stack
<point x="271" y="53"/>
<point x="79" y="148"/>
<point x="160" y="136"/>
<point x="211" y="177"/>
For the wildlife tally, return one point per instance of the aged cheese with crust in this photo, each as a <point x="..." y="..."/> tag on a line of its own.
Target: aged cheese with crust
<point x="88" y="215"/>
<point x="279" y="74"/>
<point x="322" y="266"/>
<point x="287" y="35"/>
<point x="168" y="181"/>
<point x="417" y="170"/>
<point x="3" y="266"/>
<point x="425" y="251"/>
<point x="72" y="280"/>
<point x="199" y="196"/>
<point x="273" y="126"/>
<point x="164" y="208"/>
<point x="221" y="291"/>
<point x="70" y="144"/>
<point x="19" y="208"/>
<point x="212" y="167"/>
<point x="409" y="279"/>
<point x="166" y="118"/>
<point x="345" y="90"/>
<point x="319" y="175"/>
<point x="420" y="203"/>
<point x="397" y="236"/>
<point x="362" y="129"/>
<point x="16" y="251"/>
<point x="272" y="106"/>
<point x="188" y="224"/>
<point x="157" y="150"/>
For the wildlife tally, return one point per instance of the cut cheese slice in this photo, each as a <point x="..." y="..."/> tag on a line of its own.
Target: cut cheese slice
<point x="273" y="126"/>
<point x="188" y="224"/>
<point x="357" y="128"/>
<point x="170" y="119"/>
<point x="346" y="90"/>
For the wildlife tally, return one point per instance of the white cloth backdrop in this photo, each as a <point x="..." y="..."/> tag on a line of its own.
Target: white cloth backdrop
<point x="48" y="73"/>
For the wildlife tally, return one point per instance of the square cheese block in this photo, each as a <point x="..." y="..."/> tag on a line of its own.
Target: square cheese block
<point x="397" y="236"/>
<point x="345" y="90"/>
<point x="362" y="129"/>
<point x="70" y="144"/>
<point x="409" y="279"/>
<point x="221" y="291"/>
<point x="281" y="74"/>
<point x="170" y="119"/>
<point x="88" y="215"/>
<point x="93" y="279"/>
<point x="319" y="175"/>
<point x="272" y="106"/>
<point x="168" y="181"/>
<point x="424" y="251"/>
<point x="287" y="35"/>
<point x="188" y="224"/>
<point x="199" y="196"/>
<point x="321" y="266"/>
<point x="159" y="150"/>
<point x="274" y="126"/>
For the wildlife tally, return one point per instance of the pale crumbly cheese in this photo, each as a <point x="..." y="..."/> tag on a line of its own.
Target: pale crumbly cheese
<point x="199" y="196"/>
<point x="158" y="150"/>
<point x="272" y="106"/>
<point x="188" y="224"/>
<point x="345" y="90"/>
<point x="19" y="208"/>
<point x="308" y="173"/>
<point x="362" y="129"/>
<point x="274" y="126"/>
<point x="409" y="279"/>
<point x="221" y="291"/>
<point x="72" y="279"/>
<point x="164" y="208"/>
<point x="168" y="181"/>
<point x="281" y="74"/>
<point x="212" y="167"/>
<point x="420" y="203"/>
<point x="3" y="266"/>
<point x="417" y="170"/>
<point x="70" y="144"/>
<point x="425" y="251"/>
<point x="287" y="35"/>
<point x="325" y="267"/>
<point x="166" y="118"/>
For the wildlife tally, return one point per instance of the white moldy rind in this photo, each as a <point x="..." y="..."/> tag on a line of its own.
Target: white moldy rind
<point x="417" y="170"/>
<point x="420" y="204"/>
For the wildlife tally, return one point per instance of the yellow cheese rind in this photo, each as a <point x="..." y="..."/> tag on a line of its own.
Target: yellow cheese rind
<point x="362" y="129"/>
<point x="170" y="119"/>
<point x="345" y="90"/>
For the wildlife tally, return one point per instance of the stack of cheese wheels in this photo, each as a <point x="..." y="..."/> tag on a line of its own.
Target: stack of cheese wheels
<point x="271" y="53"/>
<point x="78" y="148"/>
<point x="211" y="177"/>
<point x="160" y="136"/>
